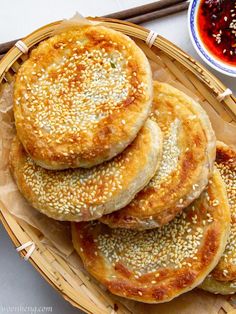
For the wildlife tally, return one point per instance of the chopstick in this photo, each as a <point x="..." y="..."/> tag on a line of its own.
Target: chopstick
<point x="4" y="47"/>
<point x="143" y="9"/>
<point x="158" y="13"/>
<point x="136" y="15"/>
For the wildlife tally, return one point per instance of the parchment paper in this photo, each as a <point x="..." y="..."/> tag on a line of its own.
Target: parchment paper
<point x="57" y="234"/>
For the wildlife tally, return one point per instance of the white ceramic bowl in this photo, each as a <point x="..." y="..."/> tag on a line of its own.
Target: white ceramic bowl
<point x="204" y="53"/>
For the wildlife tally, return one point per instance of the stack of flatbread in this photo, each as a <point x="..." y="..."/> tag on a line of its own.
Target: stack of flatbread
<point x="131" y="162"/>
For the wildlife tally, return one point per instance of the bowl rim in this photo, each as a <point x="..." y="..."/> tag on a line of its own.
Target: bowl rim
<point x="206" y="55"/>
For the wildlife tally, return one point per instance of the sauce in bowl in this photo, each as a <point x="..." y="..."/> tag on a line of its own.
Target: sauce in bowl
<point x="216" y="22"/>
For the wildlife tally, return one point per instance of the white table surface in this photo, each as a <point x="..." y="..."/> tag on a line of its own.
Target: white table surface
<point x="21" y="284"/>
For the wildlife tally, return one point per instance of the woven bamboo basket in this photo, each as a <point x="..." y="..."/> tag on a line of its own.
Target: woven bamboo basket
<point x="72" y="283"/>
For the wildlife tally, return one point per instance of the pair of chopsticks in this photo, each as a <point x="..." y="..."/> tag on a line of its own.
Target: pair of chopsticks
<point x="137" y="15"/>
<point x="151" y="11"/>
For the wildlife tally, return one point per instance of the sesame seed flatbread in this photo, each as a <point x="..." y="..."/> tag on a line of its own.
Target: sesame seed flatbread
<point x="188" y="158"/>
<point x="157" y="265"/>
<point x="223" y="278"/>
<point x="81" y="97"/>
<point x="86" y="194"/>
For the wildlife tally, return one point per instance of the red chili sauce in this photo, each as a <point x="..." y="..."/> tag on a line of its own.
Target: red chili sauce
<point x="216" y="22"/>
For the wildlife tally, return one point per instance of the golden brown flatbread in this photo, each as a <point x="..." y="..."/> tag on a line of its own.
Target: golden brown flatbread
<point x="81" y="97"/>
<point x="223" y="278"/>
<point x="188" y="158"/>
<point x="86" y="194"/>
<point x="158" y="265"/>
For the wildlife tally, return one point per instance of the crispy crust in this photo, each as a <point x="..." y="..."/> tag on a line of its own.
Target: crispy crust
<point x="212" y="285"/>
<point x="223" y="277"/>
<point x="163" y="283"/>
<point x="59" y="120"/>
<point x="86" y="194"/>
<point x="160" y="202"/>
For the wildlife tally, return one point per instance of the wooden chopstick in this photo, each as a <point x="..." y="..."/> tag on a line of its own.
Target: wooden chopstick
<point x="135" y="15"/>
<point x="4" y="47"/>
<point x="159" y="13"/>
<point x="143" y="9"/>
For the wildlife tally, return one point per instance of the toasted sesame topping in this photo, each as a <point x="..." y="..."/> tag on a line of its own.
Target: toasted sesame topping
<point x="169" y="163"/>
<point x="75" y="191"/>
<point x="170" y="155"/>
<point x="74" y="93"/>
<point x="228" y="172"/>
<point x="225" y="272"/>
<point x="83" y="194"/>
<point x="215" y="203"/>
<point x="174" y="245"/>
<point x="66" y="98"/>
<point x="233" y="284"/>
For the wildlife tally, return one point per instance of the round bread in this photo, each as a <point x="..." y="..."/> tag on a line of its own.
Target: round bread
<point x="81" y="97"/>
<point x="188" y="159"/>
<point x="86" y="194"/>
<point x="223" y="278"/>
<point x="158" y="265"/>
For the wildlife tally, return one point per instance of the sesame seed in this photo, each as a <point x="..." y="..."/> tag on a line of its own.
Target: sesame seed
<point x="225" y="272"/>
<point x="215" y="203"/>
